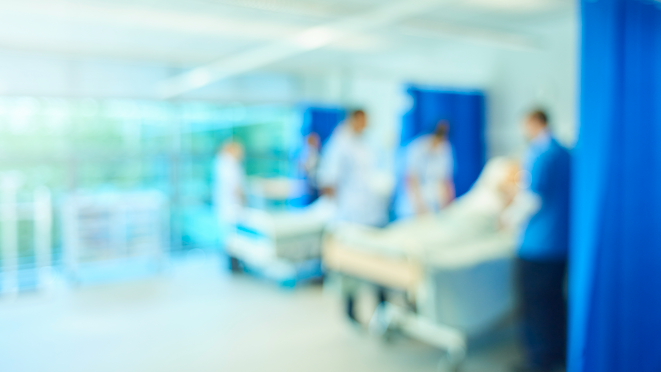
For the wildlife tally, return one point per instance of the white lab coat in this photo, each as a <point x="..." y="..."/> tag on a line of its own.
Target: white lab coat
<point x="433" y="167"/>
<point x="310" y="164"/>
<point x="229" y="181"/>
<point x="350" y="166"/>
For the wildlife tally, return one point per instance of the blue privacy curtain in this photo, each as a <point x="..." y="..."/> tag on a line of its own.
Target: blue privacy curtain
<point x="466" y="113"/>
<point x="615" y="267"/>
<point x="322" y="120"/>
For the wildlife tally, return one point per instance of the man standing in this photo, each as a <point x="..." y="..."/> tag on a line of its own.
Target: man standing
<point x="542" y="254"/>
<point x="349" y="174"/>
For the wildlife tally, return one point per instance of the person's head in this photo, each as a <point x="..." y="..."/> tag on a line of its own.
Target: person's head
<point x="536" y="122"/>
<point x="358" y="121"/>
<point x="313" y="140"/>
<point x="440" y="132"/>
<point x="234" y="149"/>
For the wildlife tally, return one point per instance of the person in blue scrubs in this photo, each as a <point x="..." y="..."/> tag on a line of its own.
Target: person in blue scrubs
<point x="543" y="248"/>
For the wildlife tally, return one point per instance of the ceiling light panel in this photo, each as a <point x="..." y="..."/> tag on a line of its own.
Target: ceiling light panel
<point x="470" y="34"/>
<point x="514" y="6"/>
<point x="290" y="7"/>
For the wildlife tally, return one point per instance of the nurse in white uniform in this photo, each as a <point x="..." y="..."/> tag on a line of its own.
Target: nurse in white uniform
<point x="428" y="184"/>
<point x="349" y="174"/>
<point x="228" y="188"/>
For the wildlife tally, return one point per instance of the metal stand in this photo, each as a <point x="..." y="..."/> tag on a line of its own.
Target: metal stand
<point x="389" y="317"/>
<point x="111" y="235"/>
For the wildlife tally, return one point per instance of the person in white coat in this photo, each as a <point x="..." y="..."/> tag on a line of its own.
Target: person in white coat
<point x="349" y="174"/>
<point x="229" y="182"/>
<point x="309" y="164"/>
<point x="428" y="175"/>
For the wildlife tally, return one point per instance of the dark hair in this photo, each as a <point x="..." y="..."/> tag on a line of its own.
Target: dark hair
<point x="357" y="112"/>
<point x="540" y="116"/>
<point x="442" y="128"/>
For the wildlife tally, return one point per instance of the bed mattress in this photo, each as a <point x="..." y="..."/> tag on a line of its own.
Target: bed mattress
<point x="292" y="235"/>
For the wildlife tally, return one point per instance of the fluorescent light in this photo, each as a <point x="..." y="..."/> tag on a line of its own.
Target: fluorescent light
<point x="494" y="38"/>
<point x="310" y="39"/>
<point x="315" y="37"/>
<point x="514" y="5"/>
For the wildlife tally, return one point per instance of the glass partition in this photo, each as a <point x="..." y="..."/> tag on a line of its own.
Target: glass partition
<point x="91" y="145"/>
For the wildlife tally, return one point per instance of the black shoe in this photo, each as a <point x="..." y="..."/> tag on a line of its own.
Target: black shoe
<point x="234" y="265"/>
<point x="528" y="368"/>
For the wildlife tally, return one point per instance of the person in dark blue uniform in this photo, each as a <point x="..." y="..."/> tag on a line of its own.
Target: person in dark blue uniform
<point x="543" y="248"/>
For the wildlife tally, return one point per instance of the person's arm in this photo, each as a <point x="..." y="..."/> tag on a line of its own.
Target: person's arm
<point x="241" y="185"/>
<point x="522" y="207"/>
<point x="329" y="169"/>
<point x="509" y="187"/>
<point x="531" y="184"/>
<point x="415" y="159"/>
<point x="418" y="201"/>
<point x="448" y="192"/>
<point x="539" y="175"/>
<point x="328" y="191"/>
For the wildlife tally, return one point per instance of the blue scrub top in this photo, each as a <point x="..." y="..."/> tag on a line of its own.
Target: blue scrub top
<point x="546" y="235"/>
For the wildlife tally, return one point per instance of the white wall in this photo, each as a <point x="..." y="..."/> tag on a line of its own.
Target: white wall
<point x="48" y="75"/>
<point x="36" y="74"/>
<point x="529" y="79"/>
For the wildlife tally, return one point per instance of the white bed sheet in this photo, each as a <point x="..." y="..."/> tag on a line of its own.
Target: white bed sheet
<point x="295" y="236"/>
<point x="315" y="217"/>
<point x="464" y="233"/>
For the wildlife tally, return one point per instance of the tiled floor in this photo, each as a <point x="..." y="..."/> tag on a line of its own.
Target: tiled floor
<point x="195" y="318"/>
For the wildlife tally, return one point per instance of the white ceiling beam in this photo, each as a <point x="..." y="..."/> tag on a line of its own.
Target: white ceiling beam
<point x="307" y="40"/>
<point x="473" y="35"/>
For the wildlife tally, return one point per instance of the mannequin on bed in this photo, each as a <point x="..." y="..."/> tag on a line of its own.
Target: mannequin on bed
<point x="477" y="213"/>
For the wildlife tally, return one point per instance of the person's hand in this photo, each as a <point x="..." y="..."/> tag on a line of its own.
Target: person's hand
<point x="421" y="209"/>
<point x="328" y="191"/>
<point x="501" y="225"/>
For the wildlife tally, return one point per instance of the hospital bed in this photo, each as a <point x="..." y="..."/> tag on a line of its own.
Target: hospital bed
<point x="456" y="266"/>
<point x="284" y="246"/>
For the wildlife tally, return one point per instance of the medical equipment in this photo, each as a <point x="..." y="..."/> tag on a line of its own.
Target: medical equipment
<point x="274" y="192"/>
<point x="284" y="246"/>
<point x="114" y="234"/>
<point x="456" y="266"/>
<point x="24" y="266"/>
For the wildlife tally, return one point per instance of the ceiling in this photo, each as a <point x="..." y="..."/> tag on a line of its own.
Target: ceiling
<point x="191" y="33"/>
<point x="199" y="31"/>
